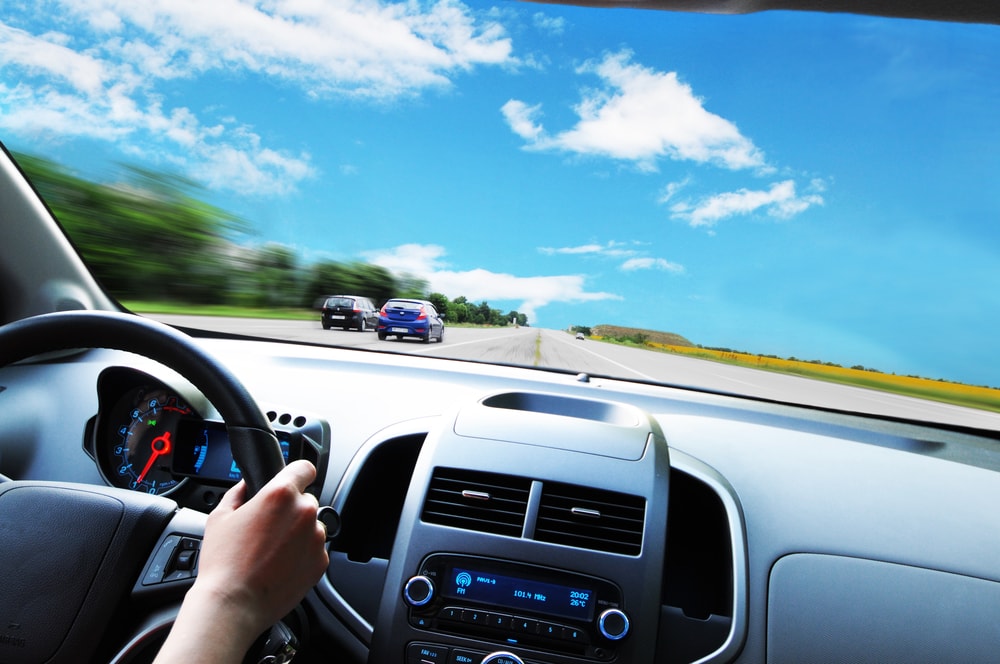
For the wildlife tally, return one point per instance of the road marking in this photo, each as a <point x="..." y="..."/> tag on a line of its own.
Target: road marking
<point x="607" y="359"/>
<point x="466" y="343"/>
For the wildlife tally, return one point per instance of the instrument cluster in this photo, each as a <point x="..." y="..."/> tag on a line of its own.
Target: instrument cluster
<point x="149" y="437"/>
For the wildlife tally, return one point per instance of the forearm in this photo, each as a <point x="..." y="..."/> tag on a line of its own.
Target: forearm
<point x="209" y="628"/>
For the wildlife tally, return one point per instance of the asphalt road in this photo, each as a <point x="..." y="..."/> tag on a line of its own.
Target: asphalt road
<point x="558" y="349"/>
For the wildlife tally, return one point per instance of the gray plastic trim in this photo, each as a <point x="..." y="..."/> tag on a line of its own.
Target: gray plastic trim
<point x="737" y="535"/>
<point x="325" y="588"/>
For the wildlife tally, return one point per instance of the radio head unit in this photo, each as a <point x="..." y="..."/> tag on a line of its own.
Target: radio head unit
<point x="517" y="604"/>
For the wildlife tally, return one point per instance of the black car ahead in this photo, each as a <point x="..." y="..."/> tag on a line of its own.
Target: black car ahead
<point x="410" y="318"/>
<point x="349" y="311"/>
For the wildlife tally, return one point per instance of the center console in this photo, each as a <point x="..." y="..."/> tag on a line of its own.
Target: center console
<point x="533" y="532"/>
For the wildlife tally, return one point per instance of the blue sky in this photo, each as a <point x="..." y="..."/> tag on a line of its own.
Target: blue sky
<point x="822" y="186"/>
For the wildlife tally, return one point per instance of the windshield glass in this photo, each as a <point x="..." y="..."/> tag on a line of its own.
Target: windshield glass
<point x="793" y="192"/>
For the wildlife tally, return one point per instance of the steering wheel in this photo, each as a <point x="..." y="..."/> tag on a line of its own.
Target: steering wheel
<point x="71" y="553"/>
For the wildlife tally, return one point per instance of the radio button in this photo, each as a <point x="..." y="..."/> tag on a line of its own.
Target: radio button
<point x="574" y="635"/>
<point x="451" y="613"/>
<point x="550" y="630"/>
<point x="425" y="653"/>
<point x="475" y="617"/>
<point x="465" y="657"/>
<point x="500" y="621"/>
<point x="525" y="626"/>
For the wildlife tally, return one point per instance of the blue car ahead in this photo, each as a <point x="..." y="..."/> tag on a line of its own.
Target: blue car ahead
<point x="410" y="318"/>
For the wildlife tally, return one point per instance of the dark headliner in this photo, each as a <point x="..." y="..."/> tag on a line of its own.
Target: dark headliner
<point x="969" y="11"/>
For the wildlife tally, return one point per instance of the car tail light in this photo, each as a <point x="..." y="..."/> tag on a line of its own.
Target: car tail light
<point x="381" y="312"/>
<point x="422" y="315"/>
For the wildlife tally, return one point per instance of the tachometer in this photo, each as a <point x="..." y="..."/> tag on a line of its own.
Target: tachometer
<point x="143" y="445"/>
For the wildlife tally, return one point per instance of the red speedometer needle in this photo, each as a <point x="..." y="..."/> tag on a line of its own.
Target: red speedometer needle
<point x="160" y="445"/>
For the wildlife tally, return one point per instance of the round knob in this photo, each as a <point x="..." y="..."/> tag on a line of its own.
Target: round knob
<point x="418" y="590"/>
<point x="330" y="520"/>
<point x="614" y="624"/>
<point x="502" y="657"/>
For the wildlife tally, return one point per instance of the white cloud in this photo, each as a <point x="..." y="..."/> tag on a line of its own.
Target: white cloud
<point x="613" y="249"/>
<point x="419" y="260"/>
<point x="618" y="250"/>
<point x="669" y="191"/>
<point x="365" y="48"/>
<point x="426" y="262"/>
<point x="780" y="201"/>
<point x="48" y="56"/>
<point x="102" y="78"/>
<point x="639" y="115"/>
<point x="634" y="264"/>
<point x="522" y="119"/>
<point x="550" y="24"/>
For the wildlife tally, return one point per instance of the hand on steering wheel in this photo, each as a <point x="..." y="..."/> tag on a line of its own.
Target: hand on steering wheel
<point x="259" y="558"/>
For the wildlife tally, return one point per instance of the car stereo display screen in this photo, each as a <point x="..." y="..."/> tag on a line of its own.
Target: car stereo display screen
<point x="519" y="593"/>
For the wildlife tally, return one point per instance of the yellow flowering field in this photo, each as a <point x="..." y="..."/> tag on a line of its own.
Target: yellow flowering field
<point x="965" y="395"/>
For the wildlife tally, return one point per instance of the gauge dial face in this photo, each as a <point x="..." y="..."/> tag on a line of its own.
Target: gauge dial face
<point x="142" y="444"/>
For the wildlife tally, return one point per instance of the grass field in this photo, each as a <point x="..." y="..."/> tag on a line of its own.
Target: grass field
<point x="142" y="307"/>
<point x="971" y="396"/>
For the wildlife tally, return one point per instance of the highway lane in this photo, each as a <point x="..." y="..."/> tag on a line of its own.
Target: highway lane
<point x="557" y="349"/>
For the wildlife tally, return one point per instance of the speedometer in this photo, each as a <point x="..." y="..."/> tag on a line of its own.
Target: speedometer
<point x="142" y="446"/>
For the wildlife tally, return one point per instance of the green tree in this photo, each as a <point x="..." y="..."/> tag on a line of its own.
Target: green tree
<point x="483" y="315"/>
<point x="273" y="275"/>
<point x="513" y="317"/>
<point x="148" y="236"/>
<point x="375" y="282"/>
<point x="411" y="287"/>
<point x="458" y="312"/>
<point x="327" y="278"/>
<point x="440" y="302"/>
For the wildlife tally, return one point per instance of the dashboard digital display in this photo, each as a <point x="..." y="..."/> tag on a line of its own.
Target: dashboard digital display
<point x="519" y="593"/>
<point x="202" y="450"/>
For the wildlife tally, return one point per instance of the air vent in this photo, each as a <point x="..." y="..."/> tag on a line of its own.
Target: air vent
<point x="487" y="502"/>
<point x="590" y="519"/>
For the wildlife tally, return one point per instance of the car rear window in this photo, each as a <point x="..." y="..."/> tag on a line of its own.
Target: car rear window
<point x="340" y="302"/>
<point x="403" y="304"/>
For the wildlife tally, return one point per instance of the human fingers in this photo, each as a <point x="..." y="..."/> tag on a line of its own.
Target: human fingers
<point x="299" y="473"/>
<point x="233" y="498"/>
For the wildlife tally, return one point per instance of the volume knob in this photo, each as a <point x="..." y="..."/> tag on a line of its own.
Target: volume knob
<point x="502" y="657"/>
<point x="419" y="590"/>
<point x="614" y="624"/>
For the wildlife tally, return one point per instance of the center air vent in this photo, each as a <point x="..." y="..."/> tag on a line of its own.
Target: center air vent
<point x="487" y="502"/>
<point x="590" y="518"/>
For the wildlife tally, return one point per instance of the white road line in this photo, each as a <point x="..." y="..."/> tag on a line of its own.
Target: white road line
<point x="617" y="364"/>
<point x="429" y="347"/>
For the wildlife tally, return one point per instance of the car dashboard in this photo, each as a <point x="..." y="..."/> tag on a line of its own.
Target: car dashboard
<point x="507" y="515"/>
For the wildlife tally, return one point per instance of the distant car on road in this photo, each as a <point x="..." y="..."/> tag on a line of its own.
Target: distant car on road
<point x="579" y="335"/>
<point x="410" y="318"/>
<point x="349" y="311"/>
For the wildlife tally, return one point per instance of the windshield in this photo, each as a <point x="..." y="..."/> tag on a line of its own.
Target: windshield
<point x="804" y="193"/>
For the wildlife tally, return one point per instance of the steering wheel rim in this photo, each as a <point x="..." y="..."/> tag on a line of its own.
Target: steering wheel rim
<point x="255" y="446"/>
